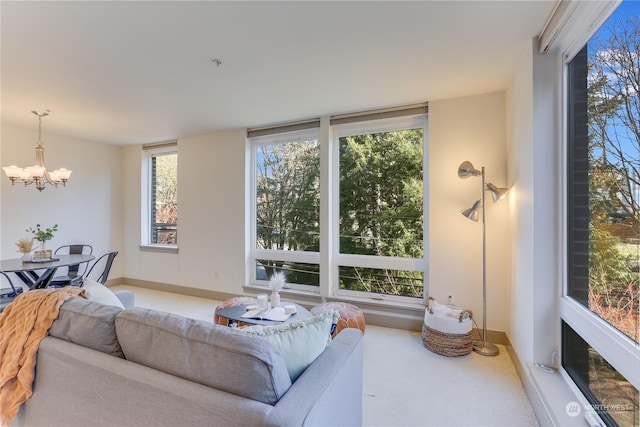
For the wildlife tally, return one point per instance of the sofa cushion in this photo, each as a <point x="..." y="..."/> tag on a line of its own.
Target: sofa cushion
<point x="213" y="355"/>
<point x="89" y="324"/>
<point x="100" y="293"/>
<point x="299" y="341"/>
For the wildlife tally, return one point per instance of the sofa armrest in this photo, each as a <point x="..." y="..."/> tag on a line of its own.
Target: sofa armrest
<point x="127" y="298"/>
<point x="329" y="391"/>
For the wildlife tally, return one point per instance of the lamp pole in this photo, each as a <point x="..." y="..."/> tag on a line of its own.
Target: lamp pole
<point x="483" y="347"/>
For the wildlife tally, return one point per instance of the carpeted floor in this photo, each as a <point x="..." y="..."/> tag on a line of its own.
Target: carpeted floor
<point x="404" y="383"/>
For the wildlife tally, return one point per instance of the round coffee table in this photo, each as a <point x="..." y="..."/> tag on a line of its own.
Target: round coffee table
<point x="232" y="316"/>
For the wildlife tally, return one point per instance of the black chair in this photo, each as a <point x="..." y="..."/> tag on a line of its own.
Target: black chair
<point x="73" y="276"/>
<point x="110" y="256"/>
<point x="7" y="295"/>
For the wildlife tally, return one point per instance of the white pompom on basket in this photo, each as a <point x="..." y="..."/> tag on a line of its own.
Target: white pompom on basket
<point x="446" y="335"/>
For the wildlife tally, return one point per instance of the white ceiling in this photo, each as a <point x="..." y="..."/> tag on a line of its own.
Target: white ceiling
<point x="142" y="71"/>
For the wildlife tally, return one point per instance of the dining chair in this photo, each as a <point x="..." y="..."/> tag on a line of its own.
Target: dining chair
<point x="73" y="276"/>
<point x="7" y="295"/>
<point x="108" y="257"/>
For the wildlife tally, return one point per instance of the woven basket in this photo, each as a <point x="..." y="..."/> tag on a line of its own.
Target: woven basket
<point x="447" y="336"/>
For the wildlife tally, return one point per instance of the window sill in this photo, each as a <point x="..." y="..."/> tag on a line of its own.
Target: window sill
<point x="170" y="249"/>
<point x="381" y="302"/>
<point x="558" y="398"/>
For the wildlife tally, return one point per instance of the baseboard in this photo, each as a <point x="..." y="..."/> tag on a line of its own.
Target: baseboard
<point x="176" y="289"/>
<point x="544" y="418"/>
<point x="495" y="337"/>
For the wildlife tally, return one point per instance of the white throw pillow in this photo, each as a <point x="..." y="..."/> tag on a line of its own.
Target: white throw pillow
<point x="100" y="293"/>
<point x="299" y="341"/>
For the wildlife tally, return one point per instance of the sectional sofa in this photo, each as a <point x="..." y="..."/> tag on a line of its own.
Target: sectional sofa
<point x="105" y="366"/>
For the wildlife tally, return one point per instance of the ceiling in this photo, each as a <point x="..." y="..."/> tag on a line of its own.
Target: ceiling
<point x="142" y="71"/>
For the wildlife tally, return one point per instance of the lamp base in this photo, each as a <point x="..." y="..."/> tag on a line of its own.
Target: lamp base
<point x="485" y="348"/>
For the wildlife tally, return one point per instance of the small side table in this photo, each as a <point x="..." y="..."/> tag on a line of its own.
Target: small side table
<point x="233" y="316"/>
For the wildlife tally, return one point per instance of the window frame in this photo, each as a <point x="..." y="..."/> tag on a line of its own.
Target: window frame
<point x="328" y="258"/>
<point x="146" y="223"/>
<point x="619" y="351"/>
<point x="271" y="254"/>
<point x="370" y="261"/>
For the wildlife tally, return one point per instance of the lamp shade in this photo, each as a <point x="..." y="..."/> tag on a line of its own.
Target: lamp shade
<point x="472" y="212"/>
<point x="35" y="171"/>
<point x="466" y="169"/>
<point x="63" y="173"/>
<point x="497" y="193"/>
<point x="12" y="171"/>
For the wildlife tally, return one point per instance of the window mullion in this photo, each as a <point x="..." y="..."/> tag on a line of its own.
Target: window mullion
<point x="328" y="273"/>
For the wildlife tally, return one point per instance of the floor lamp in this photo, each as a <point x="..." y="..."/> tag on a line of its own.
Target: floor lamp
<point x="465" y="170"/>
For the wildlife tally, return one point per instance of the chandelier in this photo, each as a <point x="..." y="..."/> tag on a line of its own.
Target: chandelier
<point x="38" y="173"/>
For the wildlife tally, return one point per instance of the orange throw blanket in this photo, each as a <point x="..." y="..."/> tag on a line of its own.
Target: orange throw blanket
<point x="23" y="324"/>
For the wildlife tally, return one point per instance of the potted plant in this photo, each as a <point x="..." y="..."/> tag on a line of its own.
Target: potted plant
<point x="25" y="246"/>
<point x="42" y="235"/>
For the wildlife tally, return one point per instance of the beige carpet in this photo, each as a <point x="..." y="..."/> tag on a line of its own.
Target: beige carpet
<point x="404" y="383"/>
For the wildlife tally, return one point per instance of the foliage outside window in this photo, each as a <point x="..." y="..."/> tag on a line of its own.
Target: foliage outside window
<point x="287" y="203"/>
<point x="603" y="197"/>
<point x="381" y="209"/>
<point x="612" y="397"/>
<point x="613" y="85"/>
<point x="375" y="229"/>
<point x="605" y="187"/>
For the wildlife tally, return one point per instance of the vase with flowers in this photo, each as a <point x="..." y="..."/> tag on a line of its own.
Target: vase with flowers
<point x="42" y="236"/>
<point x="25" y="246"/>
<point x="276" y="283"/>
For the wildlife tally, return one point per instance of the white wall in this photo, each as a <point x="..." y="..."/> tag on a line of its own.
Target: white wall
<point x="211" y="231"/>
<point x="534" y="156"/>
<point x="521" y="198"/>
<point x="212" y="209"/>
<point x="102" y="203"/>
<point x="88" y="210"/>
<point x="470" y="128"/>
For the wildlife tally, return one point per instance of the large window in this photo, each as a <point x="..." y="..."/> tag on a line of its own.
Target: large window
<point x="286" y="196"/>
<point x="371" y="235"/>
<point x="603" y="218"/>
<point x="161" y="161"/>
<point x="381" y="207"/>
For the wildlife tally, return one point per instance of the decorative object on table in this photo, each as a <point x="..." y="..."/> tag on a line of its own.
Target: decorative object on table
<point x="276" y="283"/>
<point x="350" y="316"/>
<point x="447" y="330"/>
<point x="38" y="173"/>
<point x="263" y="301"/>
<point x="465" y="170"/>
<point x="277" y="314"/>
<point x="42" y="235"/>
<point x="25" y="246"/>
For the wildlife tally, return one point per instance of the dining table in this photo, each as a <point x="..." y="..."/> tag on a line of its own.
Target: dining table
<point x="38" y="274"/>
